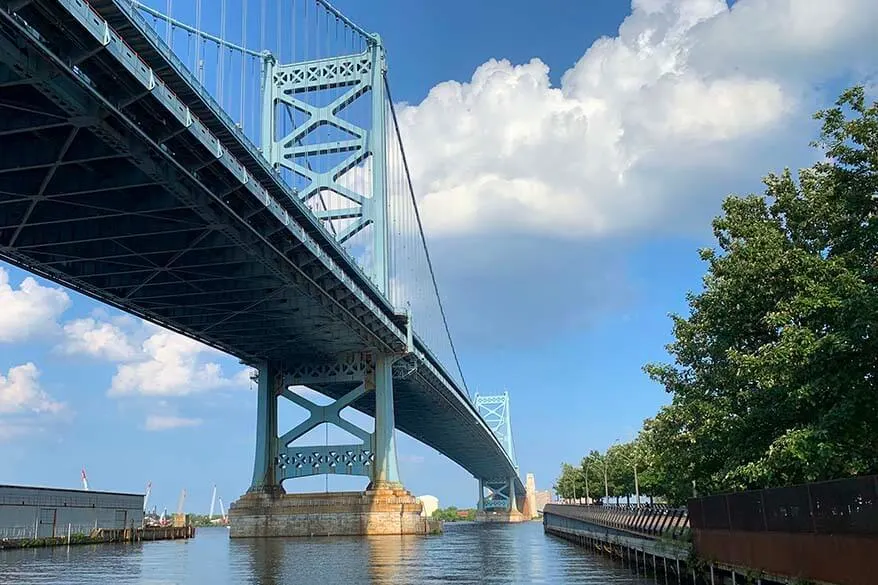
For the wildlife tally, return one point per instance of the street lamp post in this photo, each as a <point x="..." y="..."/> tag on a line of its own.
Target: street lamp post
<point x="636" y="486"/>
<point x="606" y="483"/>
<point x="587" y="499"/>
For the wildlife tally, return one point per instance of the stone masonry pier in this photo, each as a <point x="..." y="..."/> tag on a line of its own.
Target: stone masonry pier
<point x="373" y="512"/>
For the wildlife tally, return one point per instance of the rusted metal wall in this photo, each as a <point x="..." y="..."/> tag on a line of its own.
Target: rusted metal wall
<point x="840" y="559"/>
<point x="824" y="531"/>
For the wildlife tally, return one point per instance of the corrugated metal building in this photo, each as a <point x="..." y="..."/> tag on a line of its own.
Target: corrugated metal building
<point x="28" y="512"/>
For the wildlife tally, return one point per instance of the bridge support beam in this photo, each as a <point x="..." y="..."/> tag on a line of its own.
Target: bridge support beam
<point x="386" y="471"/>
<point x="384" y="508"/>
<point x="269" y="382"/>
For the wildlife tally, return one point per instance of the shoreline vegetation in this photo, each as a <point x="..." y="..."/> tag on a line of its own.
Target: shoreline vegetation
<point x="772" y="373"/>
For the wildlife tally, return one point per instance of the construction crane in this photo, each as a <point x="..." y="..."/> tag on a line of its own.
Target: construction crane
<point x="212" y="502"/>
<point x="225" y="519"/>
<point x="84" y="480"/>
<point x="146" y="495"/>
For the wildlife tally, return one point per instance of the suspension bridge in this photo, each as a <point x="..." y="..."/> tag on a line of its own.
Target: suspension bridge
<point x="233" y="170"/>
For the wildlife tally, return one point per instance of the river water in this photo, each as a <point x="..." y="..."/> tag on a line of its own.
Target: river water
<point x="466" y="553"/>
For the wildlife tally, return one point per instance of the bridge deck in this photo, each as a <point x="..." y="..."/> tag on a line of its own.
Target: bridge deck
<point x="120" y="189"/>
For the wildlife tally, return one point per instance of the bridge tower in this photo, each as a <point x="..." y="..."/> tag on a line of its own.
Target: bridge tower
<point x="322" y="147"/>
<point x="498" y="500"/>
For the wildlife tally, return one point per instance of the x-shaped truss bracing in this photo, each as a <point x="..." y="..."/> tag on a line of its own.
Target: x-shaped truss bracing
<point x="357" y="459"/>
<point x="291" y="85"/>
<point x="495" y="411"/>
<point x="498" y="496"/>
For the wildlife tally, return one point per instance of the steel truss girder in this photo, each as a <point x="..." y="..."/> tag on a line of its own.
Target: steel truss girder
<point x="355" y="367"/>
<point x="178" y="181"/>
<point x="301" y="461"/>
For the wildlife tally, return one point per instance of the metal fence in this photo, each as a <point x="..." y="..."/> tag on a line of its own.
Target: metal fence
<point x="650" y="521"/>
<point x="846" y="506"/>
<point x="32" y="531"/>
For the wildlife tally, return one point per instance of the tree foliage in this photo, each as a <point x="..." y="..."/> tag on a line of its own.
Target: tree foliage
<point x="618" y="462"/>
<point x="773" y="380"/>
<point x="453" y="514"/>
<point x="773" y="374"/>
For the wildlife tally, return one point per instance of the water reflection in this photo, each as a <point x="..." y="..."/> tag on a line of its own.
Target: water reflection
<point x="465" y="554"/>
<point x="389" y="556"/>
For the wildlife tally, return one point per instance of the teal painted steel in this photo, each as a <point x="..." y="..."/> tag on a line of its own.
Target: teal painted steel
<point x="192" y="193"/>
<point x="278" y="459"/>
<point x="292" y="86"/>
<point x="378" y="204"/>
<point x="495" y="410"/>
<point x="499" y="493"/>
<point x="266" y="427"/>
<point x="386" y="469"/>
<point x="353" y="459"/>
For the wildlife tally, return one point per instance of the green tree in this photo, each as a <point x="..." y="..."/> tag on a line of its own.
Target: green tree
<point x="453" y="514"/>
<point x="773" y="379"/>
<point x="569" y="484"/>
<point x="593" y="465"/>
<point x="621" y="458"/>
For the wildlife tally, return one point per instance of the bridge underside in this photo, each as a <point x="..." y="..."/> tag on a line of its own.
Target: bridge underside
<point x="105" y="192"/>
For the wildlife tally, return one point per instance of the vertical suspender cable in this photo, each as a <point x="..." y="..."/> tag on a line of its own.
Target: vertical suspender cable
<point x="243" y="60"/>
<point x="222" y="53"/>
<point x="424" y="240"/>
<point x="278" y="49"/>
<point x="170" y="19"/>
<point x="199" y="44"/>
<point x="167" y="23"/>
<point x="262" y="10"/>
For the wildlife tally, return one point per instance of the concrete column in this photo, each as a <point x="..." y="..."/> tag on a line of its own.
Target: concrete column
<point x="481" y="502"/>
<point x="385" y="473"/>
<point x="266" y="429"/>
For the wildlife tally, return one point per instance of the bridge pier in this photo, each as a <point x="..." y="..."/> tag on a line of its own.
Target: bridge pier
<point x="499" y="502"/>
<point x="384" y="508"/>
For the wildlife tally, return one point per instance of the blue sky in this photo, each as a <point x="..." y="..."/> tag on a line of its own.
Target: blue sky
<point x="564" y="200"/>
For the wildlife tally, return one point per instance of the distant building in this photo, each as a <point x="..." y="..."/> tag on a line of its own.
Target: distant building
<point x="542" y="498"/>
<point x="430" y="504"/>
<point x="537" y="500"/>
<point x="36" y="512"/>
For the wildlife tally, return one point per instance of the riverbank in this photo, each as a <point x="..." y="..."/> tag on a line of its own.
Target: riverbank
<point x="103" y="536"/>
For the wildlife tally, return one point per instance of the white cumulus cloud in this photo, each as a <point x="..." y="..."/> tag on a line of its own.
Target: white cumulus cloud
<point x="30" y="309"/>
<point x="642" y="123"/>
<point x="97" y="339"/>
<point x="169" y="364"/>
<point x="151" y="361"/>
<point x="165" y="422"/>
<point x="20" y="392"/>
<point x="25" y="408"/>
